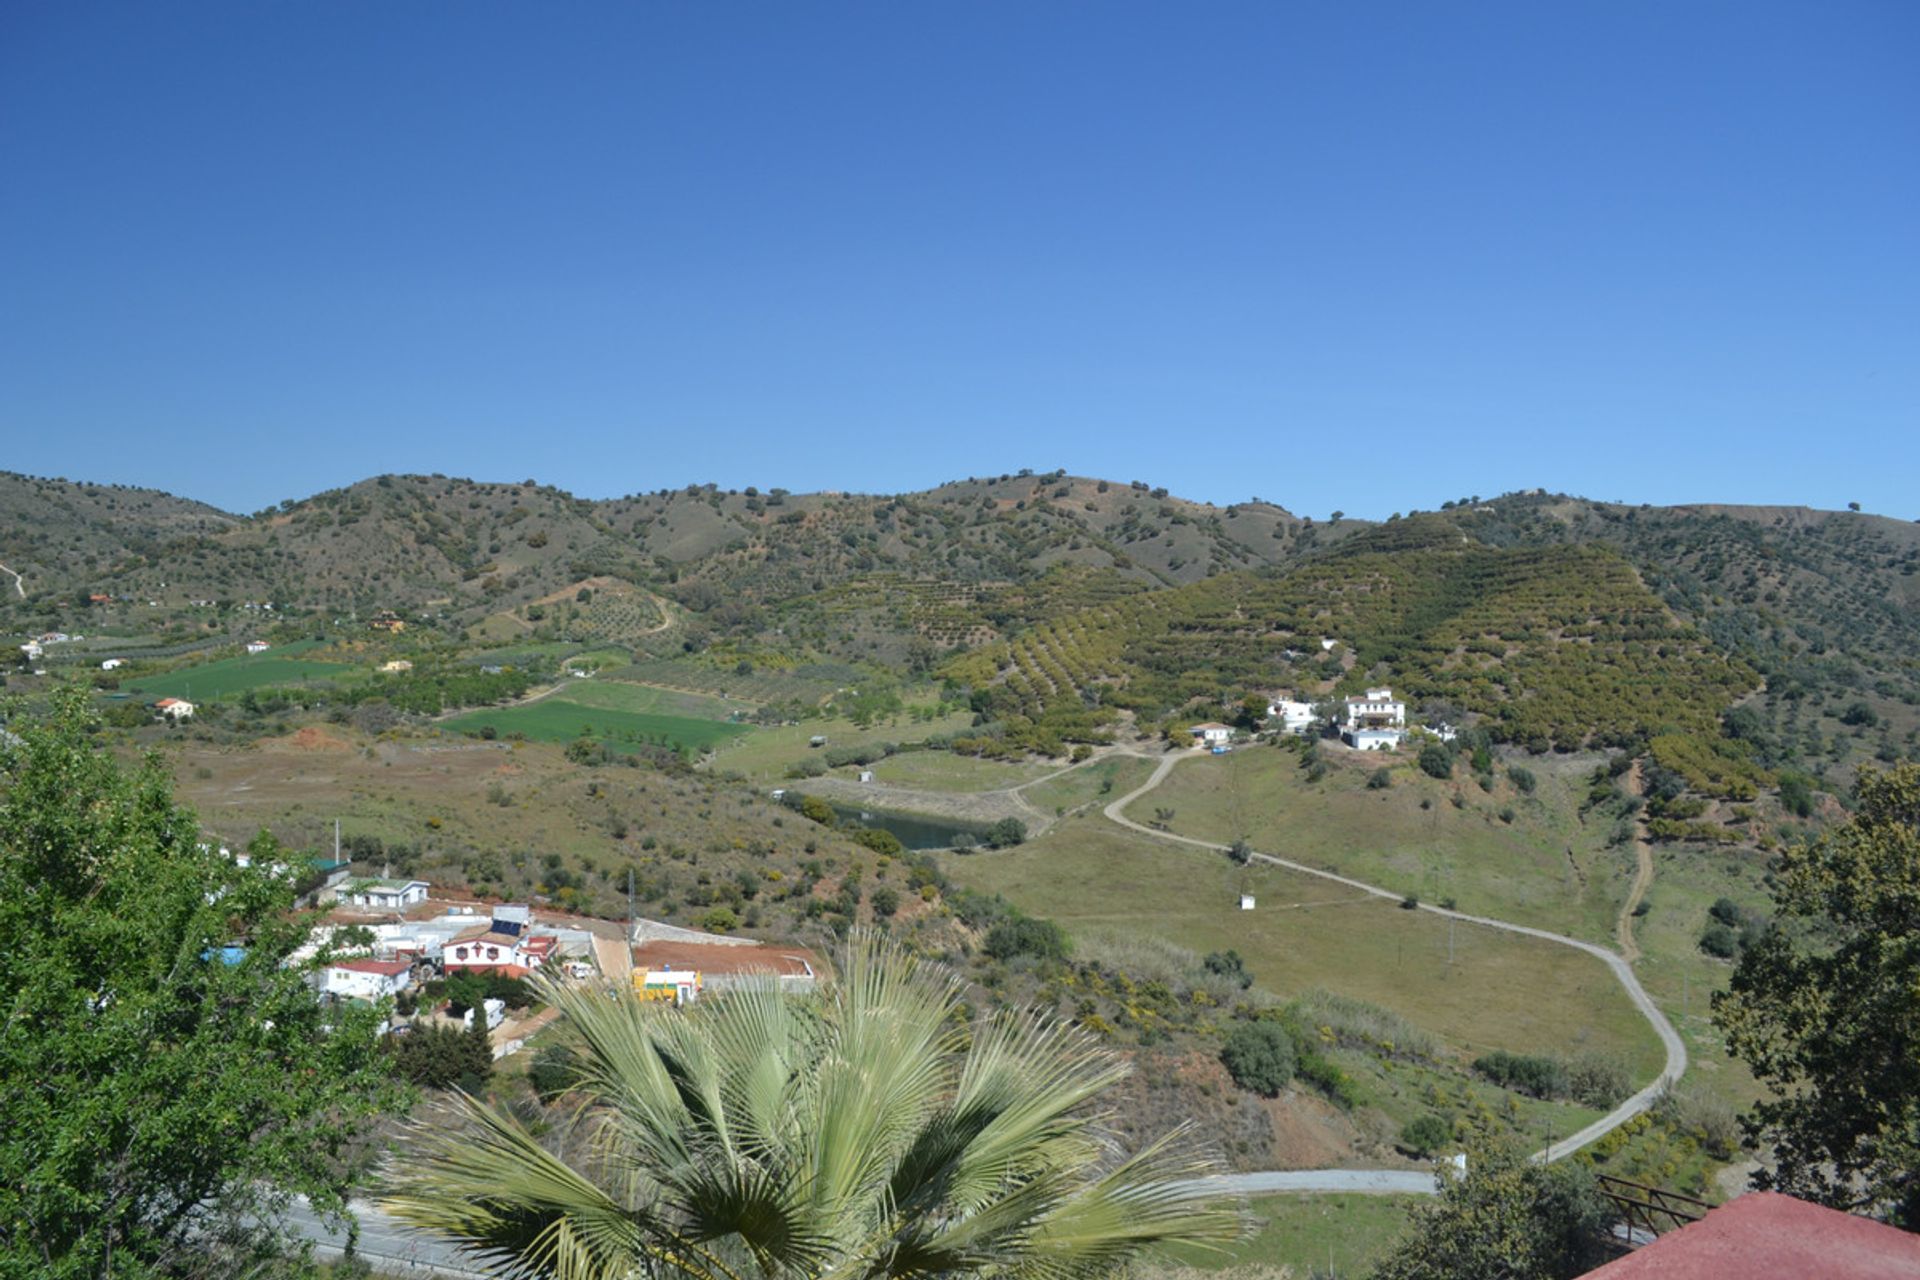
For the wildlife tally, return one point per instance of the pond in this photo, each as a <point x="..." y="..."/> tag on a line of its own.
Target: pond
<point x="915" y="832"/>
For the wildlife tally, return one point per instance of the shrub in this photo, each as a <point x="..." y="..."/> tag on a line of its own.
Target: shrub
<point x="1380" y="779"/>
<point x="1535" y="1076"/>
<point x="885" y="901"/>
<point x="1240" y="852"/>
<point x="1423" y="1135"/>
<point x="1026" y="936"/>
<point x="719" y="920"/>
<point x="1595" y="1080"/>
<point x="1006" y="833"/>
<point x="1228" y="964"/>
<point x="1522" y="778"/>
<point x="552" y="1072"/>
<point x="1718" y="940"/>
<point x="1436" y="760"/>
<point x="1259" y="1056"/>
<point x="1410" y="902"/>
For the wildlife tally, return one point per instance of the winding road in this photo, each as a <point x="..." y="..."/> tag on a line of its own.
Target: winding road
<point x="1344" y="1179"/>
<point x="18" y="585"/>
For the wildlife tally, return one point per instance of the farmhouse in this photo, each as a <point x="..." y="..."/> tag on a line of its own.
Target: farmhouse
<point x="396" y="666"/>
<point x="113" y="664"/>
<point x="365" y="979"/>
<point x="386" y="620"/>
<point x="32" y="651"/>
<point x="491" y="950"/>
<point x="1375" y="721"/>
<point x="383" y="895"/>
<point x="258" y="646"/>
<point x="175" y="709"/>
<point x="1294" y="717"/>
<point x="1211" y="734"/>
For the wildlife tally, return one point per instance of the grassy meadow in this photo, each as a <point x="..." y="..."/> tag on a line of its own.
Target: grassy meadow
<point x="767" y="753"/>
<point x="1500" y="991"/>
<point x="1548" y="867"/>
<point x="225" y="677"/>
<point x="560" y="719"/>
<point x="1335" y="1235"/>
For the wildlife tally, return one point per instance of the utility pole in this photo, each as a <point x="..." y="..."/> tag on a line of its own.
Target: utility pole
<point x="336" y="839"/>
<point x="1450" y="923"/>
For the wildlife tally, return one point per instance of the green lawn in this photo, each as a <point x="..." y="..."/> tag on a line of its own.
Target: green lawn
<point x="557" y="719"/>
<point x="225" y="677"/>
<point x="1547" y="867"/>
<point x="1501" y="990"/>
<point x="1307" y="1233"/>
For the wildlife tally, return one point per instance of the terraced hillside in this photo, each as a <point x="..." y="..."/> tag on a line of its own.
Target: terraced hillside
<point x="1553" y="647"/>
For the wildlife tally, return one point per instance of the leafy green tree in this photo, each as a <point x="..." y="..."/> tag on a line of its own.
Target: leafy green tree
<point x="1425" y="1134"/>
<point x="161" y="1075"/>
<point x="1228" y="964"/>
<point x="1508" y="1218"/>
<point x="1025" y="936"/>
<point x="870" y="1130"/>
<point x="1823" y="1009"/>
<point x="1436" y="760"/>
<point x="1006" y="833"/>
<point x="1259" y="1056"/>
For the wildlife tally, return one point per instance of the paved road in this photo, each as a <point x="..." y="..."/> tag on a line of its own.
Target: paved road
<point x="388" y="1245"/>
<point x="1676" y="1065"/>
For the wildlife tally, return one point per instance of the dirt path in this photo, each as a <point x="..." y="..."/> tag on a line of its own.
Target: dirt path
<point x="616" y="961"/>
<point x="1642" y="880"/>
<point x="1676" y="1049"/>
<point x="17" y="584"/>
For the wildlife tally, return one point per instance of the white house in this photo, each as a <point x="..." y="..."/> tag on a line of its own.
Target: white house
<point x="396" y="666"/>
<point x="113" y="664"/>
<point x="33" y="651"/>
<point x="258" y="646"/>
<point x="175" y="709"/>
<point x="1294" y="717"/>
<point x="1326" y="645"/>
<point x="1375" y="721"/>
<point x="1211" y="734"/>
<point x="365" y="979"/>
<point x="384" y="895"/>
<point x="504" y="945"/>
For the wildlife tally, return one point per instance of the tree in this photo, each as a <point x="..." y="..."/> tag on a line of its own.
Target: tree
<point x="1822" y="1009"/>
<point x="1240" y="852"/>
<point x="870" y="1129"/>
<point x="1251" y="713"/>
<point x="1436" y="760"/>
<point x="164" y="1076"/>
<point x="1228" y="964"/>
<point x="1006" y="833"/>
<point x="1259" y="1056"/>
<point x="1425" y="1134"/>
<point x="1506" y="1217"/>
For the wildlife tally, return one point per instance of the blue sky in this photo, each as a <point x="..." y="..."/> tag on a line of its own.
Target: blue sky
<point x="1358" y="256"/>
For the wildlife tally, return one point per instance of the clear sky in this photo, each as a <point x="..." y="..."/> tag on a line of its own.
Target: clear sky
<point x="1364" y="256"/>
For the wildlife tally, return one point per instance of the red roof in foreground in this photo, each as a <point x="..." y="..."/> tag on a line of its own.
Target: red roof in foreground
<point x="1768" y="1236"/>
<point x="712" y="957"/>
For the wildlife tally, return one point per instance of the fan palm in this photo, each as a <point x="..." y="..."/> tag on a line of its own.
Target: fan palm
<point x="867" y="1131"/>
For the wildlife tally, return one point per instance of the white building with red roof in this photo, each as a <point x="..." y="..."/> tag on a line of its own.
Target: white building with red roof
<point x="365" y="978"/>
<point x="490" y="949"/>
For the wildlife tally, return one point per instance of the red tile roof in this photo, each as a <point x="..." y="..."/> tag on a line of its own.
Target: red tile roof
<point x="1767" y="1236"/>
<point x="713" y="957"/>
<point x="388" y="968"/>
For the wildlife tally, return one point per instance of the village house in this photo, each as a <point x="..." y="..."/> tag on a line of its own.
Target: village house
<point x="1211" y="734"/>
<point x="32" y="651"/>
<point x="258" y="646"/>
<point x="503" y="945"/>
<point x="1375" y="721"/>
<point x="383" y="895"/>
<point x="175" y="709"/>
<point x="386" y="620"/>
<point x="1294" y="717"/>
<point x="364" y="978"/>
<point x="113" y="664"/>
<point x="396" y="666"/>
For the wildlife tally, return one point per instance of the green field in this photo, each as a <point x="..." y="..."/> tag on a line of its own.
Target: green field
<point x="1501" y="990"/>
<point x="1546" y="868"/>
<point x="1346" y="1234"/>
<point x="280" y="666"/>
<point x="766" y="753"/>
<point x="945" y="771"/>
<point x="618" y="695"/>
<point x="556" y="719"/>
<point x="810" y="684"/>
<point x="1098" y="781"/>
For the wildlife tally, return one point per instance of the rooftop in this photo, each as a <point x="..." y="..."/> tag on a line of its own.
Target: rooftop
<point x="713" y="957"/>
<point x="387" y="968"/>
<point x="1764" y="1235"/>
